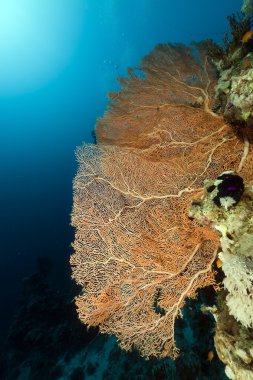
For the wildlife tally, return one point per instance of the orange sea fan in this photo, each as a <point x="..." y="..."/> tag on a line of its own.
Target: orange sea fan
<point x="137" y="254"/>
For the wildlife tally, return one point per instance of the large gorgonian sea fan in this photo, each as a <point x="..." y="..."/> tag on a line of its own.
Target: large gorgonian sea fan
<point x="137" y="254"/>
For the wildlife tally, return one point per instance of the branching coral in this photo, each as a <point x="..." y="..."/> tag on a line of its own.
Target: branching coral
<point x="230" y="52"/>
<point x="239" y="25"/>
<point x="234" y="62"/>
<point x="137" y="254"/>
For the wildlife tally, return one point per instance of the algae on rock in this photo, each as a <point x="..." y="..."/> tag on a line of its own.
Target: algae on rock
<point x="233" y="218"/>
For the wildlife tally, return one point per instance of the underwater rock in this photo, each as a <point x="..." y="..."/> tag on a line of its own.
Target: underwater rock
<point x="234" y="92"/>
<point x="233" y="343"/>
<point x="241" y="96"/>
<point x="247" y="7"/>
<point x="234" y="313"/>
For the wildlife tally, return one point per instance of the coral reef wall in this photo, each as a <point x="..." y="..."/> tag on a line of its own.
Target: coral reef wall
<point x="137" y="254"/>
<point x="234" y="311"/>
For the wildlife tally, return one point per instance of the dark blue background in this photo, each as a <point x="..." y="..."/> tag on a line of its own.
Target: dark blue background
<point x="39" y="130"/>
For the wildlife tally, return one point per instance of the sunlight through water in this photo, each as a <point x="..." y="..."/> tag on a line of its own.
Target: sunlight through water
<point x="37" y="41"/>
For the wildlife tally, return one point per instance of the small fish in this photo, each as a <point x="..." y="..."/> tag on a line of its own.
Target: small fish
<point x="210" y="356"/>
<point x="247" y="36"/>
<point x="246" y="63"/>
<point x="218" y="263"/>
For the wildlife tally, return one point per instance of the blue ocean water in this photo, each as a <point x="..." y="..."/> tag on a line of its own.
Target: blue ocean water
<point x="58" y="63"/>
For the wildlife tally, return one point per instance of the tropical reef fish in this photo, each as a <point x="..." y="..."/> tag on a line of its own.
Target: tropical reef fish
<point x="247" y="36"/>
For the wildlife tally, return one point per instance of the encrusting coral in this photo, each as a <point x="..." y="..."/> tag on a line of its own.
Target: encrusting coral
<point x="234" y="62"/>
<point x="247" y="7"/>
<point x="233" y="218"/>
<point x="137" y="254"/>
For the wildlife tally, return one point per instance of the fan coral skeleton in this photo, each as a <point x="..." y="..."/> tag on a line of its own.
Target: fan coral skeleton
<point x="137" y="254"/>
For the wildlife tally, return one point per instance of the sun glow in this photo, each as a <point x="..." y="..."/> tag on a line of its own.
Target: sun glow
<point x="37" y="41"/>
